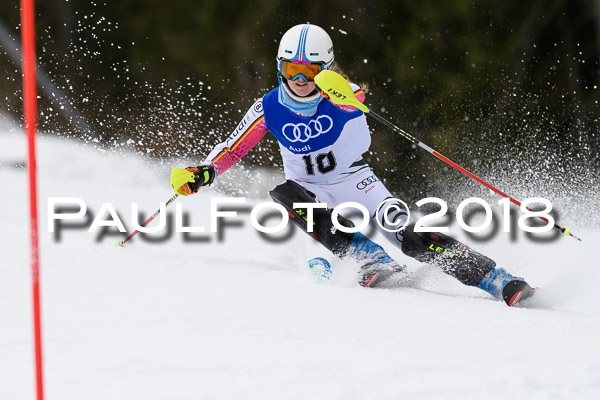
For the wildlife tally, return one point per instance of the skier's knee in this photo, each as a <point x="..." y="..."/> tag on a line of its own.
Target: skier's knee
<point x="391" y="214"/>
<point x="323" y="229"/>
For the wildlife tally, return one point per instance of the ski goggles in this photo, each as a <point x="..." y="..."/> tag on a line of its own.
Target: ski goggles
<point x="293" y="71"/>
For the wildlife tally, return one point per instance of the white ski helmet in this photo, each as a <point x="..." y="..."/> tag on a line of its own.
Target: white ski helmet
<point x="306" y="44"/>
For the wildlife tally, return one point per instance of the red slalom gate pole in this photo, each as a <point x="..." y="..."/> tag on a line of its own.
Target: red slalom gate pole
<point x="30" y="111"/>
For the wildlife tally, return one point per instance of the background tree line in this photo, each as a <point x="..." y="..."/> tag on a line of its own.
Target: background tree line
<point x="487" y="83"/>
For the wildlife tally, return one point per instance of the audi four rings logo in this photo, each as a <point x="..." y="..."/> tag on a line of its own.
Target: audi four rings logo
<point x="366" y="182"/>
<point x="304" y="132"/>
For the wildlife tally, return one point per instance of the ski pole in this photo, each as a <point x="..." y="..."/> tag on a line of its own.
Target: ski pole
<point x="334" y="86"/>
<point x="123" y="241"/>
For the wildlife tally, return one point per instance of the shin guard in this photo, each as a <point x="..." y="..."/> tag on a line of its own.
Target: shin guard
<point x="324" y="231"/>
<point x="452" y="256"/>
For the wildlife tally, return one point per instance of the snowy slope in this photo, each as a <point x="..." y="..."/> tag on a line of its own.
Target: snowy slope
<point x="243" y="318"/>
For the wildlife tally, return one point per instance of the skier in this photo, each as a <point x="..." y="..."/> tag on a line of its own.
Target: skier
<point x="321" y="145"/>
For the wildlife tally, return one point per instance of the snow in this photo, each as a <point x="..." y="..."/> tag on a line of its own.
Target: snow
<point x="243" y="318"/>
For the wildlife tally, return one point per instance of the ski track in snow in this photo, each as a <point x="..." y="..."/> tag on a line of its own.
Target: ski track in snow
<point x="244" y="318"/>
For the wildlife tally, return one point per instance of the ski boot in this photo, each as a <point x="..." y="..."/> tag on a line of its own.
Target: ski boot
<point x="376" y="265"/>
<point x="502" y="285"/>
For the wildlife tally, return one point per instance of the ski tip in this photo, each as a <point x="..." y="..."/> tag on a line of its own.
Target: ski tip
<point x="517" y="290"/>
<point x="515" y="299"/>
<point x="321" y="268"/>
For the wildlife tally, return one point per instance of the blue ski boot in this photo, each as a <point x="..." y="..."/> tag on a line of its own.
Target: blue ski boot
<point x="502" y="285"/>
<point x="376" y="265"/>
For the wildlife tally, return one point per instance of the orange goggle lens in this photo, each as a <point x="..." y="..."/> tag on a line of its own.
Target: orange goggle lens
<point x="293" y="71"/>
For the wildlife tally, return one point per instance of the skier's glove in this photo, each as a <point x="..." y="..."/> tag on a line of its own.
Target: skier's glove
<point x="188" y="181"/>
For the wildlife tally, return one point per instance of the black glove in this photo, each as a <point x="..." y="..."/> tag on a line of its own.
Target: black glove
<point x="203" y="175"/>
